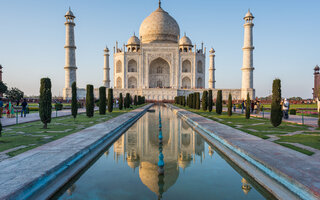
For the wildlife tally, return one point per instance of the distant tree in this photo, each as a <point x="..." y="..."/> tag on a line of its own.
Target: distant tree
<point x="205" y="100"/>
<point x="89" y="101"/>
<point x="194" y="100"/>
<point x="210" y="101"/>
<point x="120" y="102"/>
<point x="230" y="105"/>
<point x="219" y="103"/>
<point x="45" y="102"/>
<point x="276" y="111"/>
<point x="3" y="88"/>
<point x="74" y="102"/>
<point x="135" y="100"/>
<point x="197" y="100"/>
<point x="102" y="100"/>
<point x="248" y="104"/>
<point x="14" y="94"/>
<point x="110" y="100"/>
<point x="184" y="101"/>
<point x="127" y="100"/>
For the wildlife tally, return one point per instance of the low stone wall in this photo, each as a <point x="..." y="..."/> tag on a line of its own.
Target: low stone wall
<point x="283" y="172"/>
<point x="40" y="172"/>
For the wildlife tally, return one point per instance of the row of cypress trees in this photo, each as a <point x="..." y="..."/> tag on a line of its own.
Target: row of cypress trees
<point x="180" y="100"/>
<point x="127" y="101"/>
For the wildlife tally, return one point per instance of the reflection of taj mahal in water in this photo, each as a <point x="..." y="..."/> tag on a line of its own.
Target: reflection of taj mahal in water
<point x="140" y="148"/>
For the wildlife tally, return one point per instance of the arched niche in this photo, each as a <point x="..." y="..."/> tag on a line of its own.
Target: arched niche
<point x="186" y="66"/>
<point x="159" y="74"/>
<point x="132" y="66"/>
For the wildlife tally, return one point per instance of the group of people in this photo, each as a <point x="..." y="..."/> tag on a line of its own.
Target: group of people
<point x="254" y="106"/>
<point x="9" y="108"/>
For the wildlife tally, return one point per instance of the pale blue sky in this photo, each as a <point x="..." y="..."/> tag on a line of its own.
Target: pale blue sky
<point x="286" y="39"/>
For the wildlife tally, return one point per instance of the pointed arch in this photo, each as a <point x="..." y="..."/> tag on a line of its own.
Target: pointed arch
<point x="118" y="66"/>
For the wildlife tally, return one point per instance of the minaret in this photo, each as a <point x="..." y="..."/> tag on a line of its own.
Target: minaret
<point x="106" y="69"/>
<point x="70" y="56"/>
<point x="212" y="80"/>
<point x="247" y="67"/>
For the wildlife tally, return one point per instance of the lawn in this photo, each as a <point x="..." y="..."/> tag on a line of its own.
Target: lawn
<point x="295" y="106"/>
<point x="30" y="135"/>
<point x="262" y="128"/>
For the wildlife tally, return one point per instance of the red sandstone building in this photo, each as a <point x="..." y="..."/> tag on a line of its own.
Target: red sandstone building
<point x="316" y="82"/>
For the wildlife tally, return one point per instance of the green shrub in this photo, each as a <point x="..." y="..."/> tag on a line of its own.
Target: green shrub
<point x="219" y="102"/>
<point x="205" y="100"/>
<point x="135" y="101"/>
<point x="230" y="105"/>
<point x="197" y="100"/>
<point x="210" y="101"/>
<point x="110" y="100"/>
<point x="276" y="111"/>
<point x="89" y="101"/>
<point x="45" y="102"/>
<point x="58" y="106"/>
<point x="74" y="101"/>
<point x="120" y="102"/>
<point x="102" y="100"/>
<point x="293" y="111"/>
<point x="248" y="105"/>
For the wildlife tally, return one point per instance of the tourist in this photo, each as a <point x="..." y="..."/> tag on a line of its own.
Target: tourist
<point x="24" y="108"/>
<point x="285" y="108"/>
<point x="258" y="107"/>
<point x="234" y="108"/>
<point x="252" y="106"/>
<point x="1" y="107"/>
<point x="242" y="106"/>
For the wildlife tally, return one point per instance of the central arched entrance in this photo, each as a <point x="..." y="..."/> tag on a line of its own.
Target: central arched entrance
<point x="159" y="74"/>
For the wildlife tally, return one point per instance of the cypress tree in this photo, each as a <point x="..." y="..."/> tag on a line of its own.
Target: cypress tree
<point x="210" y="101"/>
<point x="127" y="100"/>
<point x="90" y="101"/>
<point x="194" y="100"/>
<point x="205" y="100"/>
<point x="219" y="102"/>
<point x="230" y="105"/>
<point x="110" y="100"/>
<point x="248" y="104"/>
<point x="135" y="101"/>
<point x="45" y="102"/>
<point x="120" y="102"/>
<point x="0" y="128"/>
<point x="74" y="102"/>
<point x="197" y="100"/>
<point x="102" y="100"/>
<point x="276" y="112"/>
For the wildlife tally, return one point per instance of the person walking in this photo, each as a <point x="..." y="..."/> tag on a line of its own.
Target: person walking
<point x="24" y="108"/>
<point x="1" y="107"/>
<point x="242" y="107"/>
<point x="234" y="107"/>
<point x="285" y="108"/>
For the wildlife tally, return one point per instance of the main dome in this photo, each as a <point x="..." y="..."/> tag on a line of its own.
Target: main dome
<point x="159" y="26"/>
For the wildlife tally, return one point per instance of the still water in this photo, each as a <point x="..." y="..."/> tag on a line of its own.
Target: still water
<point x="193" y="168"/>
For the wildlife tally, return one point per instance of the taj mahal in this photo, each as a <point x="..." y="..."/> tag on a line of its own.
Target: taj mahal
<point x="160" y="64"/>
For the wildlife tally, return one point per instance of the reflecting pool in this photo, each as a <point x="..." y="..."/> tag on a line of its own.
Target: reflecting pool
<point x="193" y="169"/>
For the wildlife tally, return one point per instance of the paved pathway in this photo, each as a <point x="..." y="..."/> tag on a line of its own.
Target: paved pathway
<point x="54" y="163"/>
<point x="35" y="117"/>
<point x="299" y="170"/>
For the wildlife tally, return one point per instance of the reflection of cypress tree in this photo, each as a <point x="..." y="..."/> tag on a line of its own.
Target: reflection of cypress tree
<point x="160" y="185"/>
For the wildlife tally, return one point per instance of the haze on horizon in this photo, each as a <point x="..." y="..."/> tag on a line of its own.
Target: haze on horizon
<point x="285" y="38"/>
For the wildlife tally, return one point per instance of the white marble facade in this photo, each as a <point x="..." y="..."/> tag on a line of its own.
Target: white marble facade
<point x="159" y="64"/>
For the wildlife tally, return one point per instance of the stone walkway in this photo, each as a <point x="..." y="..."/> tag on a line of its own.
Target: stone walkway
<point x="41" y="171"/>
<point x="299" y="172"/>
<point x="35" y="117"/>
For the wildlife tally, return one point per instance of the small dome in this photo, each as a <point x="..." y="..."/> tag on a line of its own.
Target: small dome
<point x="249" y="15"/>
<point x="159" y="26"/>
<point x="185" y="41"/>
<point x="134" y="40"/>
<point x="212" y="51"/>
<point x="69" y="13"/>
<point x="317" y="68"/>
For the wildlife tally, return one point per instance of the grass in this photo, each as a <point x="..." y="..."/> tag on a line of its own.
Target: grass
<point x="262" y="128"/>
<point x="33" y="135"/>
<point x="295" y="106"/>
<point x="290" y="146"/>
<point x="307" y="140"/>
